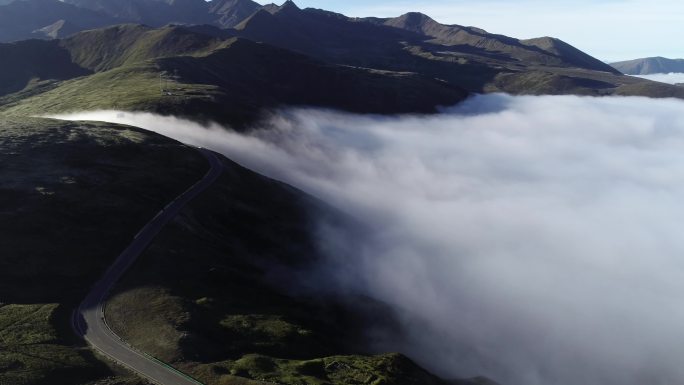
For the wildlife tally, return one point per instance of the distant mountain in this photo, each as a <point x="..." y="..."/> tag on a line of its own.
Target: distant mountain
<point x="332" y="35"/>
<point x="284" y="55"/>
<point x="649" y="66"/>
<point x="546" y="50"/>
<point x="25" y="19"/>
<point x="50" y="19"/>
<point x="230" y="13"/>
<point x="151" y="12"/>
<point x="232" y="80"/>
<point x="465" y="56"/>
<point x="57" y="29"/>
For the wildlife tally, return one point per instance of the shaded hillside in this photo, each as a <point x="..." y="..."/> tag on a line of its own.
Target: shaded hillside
<point x="50" y="19"/>
<point x="151" y="12"/>
<point x="27" y="19"/>
<point x="382" y="43"/>
<point x="463" y="56"/>
<point x="33" y="61"/>
<point x="649" y="66"/>
<point x="257" y="75"/>
<point x="568" y="54"/>
<point x="72" y="196"/>
<point x="541" y="51"/>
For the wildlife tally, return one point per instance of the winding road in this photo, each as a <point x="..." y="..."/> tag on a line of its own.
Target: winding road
<point x="89" y="320"/>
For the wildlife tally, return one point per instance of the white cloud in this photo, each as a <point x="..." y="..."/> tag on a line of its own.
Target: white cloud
<point x="671" y="78"/>
<point x="535" y="240"/>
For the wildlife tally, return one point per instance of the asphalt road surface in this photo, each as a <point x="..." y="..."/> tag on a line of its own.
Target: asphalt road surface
<point x="89" y="319"/>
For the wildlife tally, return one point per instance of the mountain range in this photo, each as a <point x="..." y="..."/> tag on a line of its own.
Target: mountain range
<point x="274" y="56"/>
<point x="24" y="19"/>
<point x="650" y="66"/>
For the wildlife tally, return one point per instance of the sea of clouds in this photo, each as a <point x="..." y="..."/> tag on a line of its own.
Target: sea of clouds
<point x="533" y="240"/>
<point x="671" y="78"/>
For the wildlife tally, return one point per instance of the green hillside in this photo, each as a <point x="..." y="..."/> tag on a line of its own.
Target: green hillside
<point x="233" y="83"/>
<point x="126" y="44"/>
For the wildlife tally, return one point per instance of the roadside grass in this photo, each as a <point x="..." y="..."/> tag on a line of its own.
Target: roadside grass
<point x="386" y="369"/>
<point x="30" y="350"/>
<point x="162" y="315"/>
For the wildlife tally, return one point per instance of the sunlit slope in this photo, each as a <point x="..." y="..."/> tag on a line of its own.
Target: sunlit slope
<point x="107" y="48"/>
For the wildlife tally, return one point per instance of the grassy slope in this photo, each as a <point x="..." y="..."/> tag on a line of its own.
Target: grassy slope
<point x="107" y="48"/>
<point x="71" y="196"/>
<point x="127" y="88"/>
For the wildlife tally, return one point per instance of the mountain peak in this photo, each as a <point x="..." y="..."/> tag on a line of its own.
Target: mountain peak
<point x="221" y="6"/>
<point x="289" y="4"/>
<point x="412" y="21"/>
<point x="650" y="65"/>
<point x="288" y="7"/>
<point x="415" y="18"/>
<point x="232" y="12"/>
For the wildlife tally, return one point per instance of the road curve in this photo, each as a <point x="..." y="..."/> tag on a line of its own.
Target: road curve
<point x="89" y="320"/>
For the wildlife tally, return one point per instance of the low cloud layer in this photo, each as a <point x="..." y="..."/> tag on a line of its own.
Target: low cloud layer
<point x="671" y="78"/>
<point x="533" y="240"/>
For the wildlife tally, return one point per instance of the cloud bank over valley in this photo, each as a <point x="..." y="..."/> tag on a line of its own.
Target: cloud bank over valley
<point x="671" y="78"/>
<point x="532" y="240"/>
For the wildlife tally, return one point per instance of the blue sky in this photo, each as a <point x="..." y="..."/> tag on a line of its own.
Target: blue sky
<point x="610" y="30"/>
